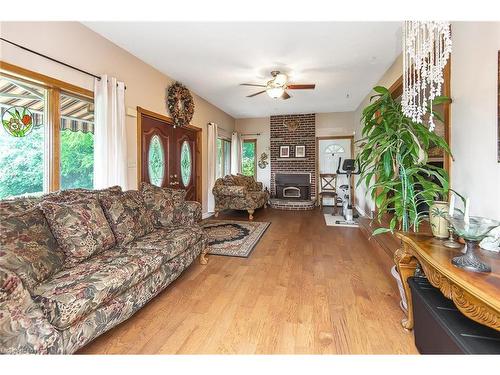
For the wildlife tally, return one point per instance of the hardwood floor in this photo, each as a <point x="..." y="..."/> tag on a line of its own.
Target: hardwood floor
<point x="306" y="288"/>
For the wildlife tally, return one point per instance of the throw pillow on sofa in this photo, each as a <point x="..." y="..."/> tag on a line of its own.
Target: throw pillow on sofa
<point x="162" y="202"/>
<point x="80" y="228"/>
<point x="128" y="216"/>
<point x="28" y="248"/>
<point x="77" y="194"/>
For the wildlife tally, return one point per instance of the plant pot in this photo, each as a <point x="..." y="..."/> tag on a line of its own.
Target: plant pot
<point x="439" y="225"/>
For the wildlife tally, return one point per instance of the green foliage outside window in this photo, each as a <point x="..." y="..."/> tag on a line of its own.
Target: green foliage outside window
<point x="248" y="159"/>
<point x="77" y="160"/>
<point x="21" y="163"/>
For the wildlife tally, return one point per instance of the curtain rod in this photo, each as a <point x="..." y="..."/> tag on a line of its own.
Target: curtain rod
<point x="244" y="134"/>
<point x="52" y="59"/>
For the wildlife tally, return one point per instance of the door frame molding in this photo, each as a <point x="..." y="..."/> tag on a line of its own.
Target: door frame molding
<point x="328" y="138"/>
<point x="169" y="121"/>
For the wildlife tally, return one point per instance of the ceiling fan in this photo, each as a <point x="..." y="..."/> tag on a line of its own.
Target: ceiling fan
<point x="276" y="87"/>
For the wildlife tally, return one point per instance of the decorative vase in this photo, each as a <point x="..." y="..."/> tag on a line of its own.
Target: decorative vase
<point x="437" y="218"/>
<point x="472" y="229"/>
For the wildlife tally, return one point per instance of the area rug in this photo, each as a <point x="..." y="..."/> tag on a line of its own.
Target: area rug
<point x="331" y="221"/>
<point x="233" y="238"/>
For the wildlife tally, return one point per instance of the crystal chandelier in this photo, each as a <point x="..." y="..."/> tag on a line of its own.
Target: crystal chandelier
<point x="426" y="50"/>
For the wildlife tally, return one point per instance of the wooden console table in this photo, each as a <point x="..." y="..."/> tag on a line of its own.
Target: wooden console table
<point x="476" y="295"/>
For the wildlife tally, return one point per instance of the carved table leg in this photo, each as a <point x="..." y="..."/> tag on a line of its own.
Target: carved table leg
<point x="203" y="256"/>
<point x="406" y="265"/>
<point x="250" y="214"/>
<point x="216" y="213"/>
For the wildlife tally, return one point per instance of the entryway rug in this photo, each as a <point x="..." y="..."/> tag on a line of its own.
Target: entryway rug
<point x="233" y="238"/>
<point x="331" y="221"/>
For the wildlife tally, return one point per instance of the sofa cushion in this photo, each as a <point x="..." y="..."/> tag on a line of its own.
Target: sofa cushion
<point x="70" y="295"/>
<point x="13" y="206"/>
<point x="80" y="228"/>
<point x="128" y="215"/>
<point x="77" y="194"/>
<point x="169" y="242"/>
<point x="162" y="202"/>
<point x="28" y="248"/>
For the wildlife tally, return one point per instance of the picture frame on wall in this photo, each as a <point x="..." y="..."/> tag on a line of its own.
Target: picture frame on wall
<point x="300" y="151"/>
<point x="284" y="151"/>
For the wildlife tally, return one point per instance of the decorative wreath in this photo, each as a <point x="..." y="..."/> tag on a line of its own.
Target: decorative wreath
<point x="180" y="104"/>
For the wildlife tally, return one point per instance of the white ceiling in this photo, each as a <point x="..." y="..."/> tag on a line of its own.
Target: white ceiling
<point x="344" y="59"/>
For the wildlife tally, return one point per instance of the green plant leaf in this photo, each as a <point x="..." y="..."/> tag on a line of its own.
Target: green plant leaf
<point x="380" y="231"/>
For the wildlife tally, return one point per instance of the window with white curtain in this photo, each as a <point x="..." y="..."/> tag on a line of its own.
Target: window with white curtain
<point x="46" y="137"/>
<point x="223" y="157"/>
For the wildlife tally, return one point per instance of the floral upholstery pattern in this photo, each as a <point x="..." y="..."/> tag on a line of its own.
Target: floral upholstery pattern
<point x="125" y="305"/>
<point x="80" y="228"/>
<point x="70" y="195"/>
<point x="238" y="193"/>
<point x="18" y="205"/>
<point x="160" y="202"/>
<point x="187" y="214"/>
<point x="169" y="242"/>
<point x="128" y="216"/>
<point x="68" y="307"/>
<point x="28" y="248"/>
<point x="23" y="327"/>
<point x="72" y="294"/>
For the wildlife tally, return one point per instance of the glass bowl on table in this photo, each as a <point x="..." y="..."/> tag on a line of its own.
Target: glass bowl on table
<point x="472" y="231"/>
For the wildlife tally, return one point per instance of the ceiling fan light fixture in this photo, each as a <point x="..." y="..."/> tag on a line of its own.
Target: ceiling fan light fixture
<point x="280" y="79"/>
<point x="275" y="92"/>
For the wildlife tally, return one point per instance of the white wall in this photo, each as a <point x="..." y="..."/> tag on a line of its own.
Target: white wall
<point x="77" y="45"/>
<point x="475" y="171"/>
<point x="334" y="124"/>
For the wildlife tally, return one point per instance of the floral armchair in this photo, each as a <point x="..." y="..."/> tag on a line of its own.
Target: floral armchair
<point x="239" y="193"/>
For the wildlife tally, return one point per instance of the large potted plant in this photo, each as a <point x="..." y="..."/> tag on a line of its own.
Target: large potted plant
<point x="394" y="163"/>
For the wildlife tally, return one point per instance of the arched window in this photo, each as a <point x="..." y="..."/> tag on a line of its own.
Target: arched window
<point x="334" y="149"/>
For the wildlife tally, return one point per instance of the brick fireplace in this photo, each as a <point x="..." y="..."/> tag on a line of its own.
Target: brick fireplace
<point x="304" y="135"/>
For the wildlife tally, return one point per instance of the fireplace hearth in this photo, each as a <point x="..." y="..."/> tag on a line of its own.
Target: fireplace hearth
<point x="293" y="186"/>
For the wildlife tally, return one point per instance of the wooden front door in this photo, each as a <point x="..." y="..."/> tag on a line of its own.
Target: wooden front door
<point x="168" y="156"/>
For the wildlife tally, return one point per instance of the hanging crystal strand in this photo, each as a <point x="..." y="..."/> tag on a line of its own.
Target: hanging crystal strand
<point x="431" y="81"/>
<point x="427" y="47"/>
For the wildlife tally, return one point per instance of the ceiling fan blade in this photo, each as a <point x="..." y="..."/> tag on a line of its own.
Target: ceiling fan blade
<point x="257" y="93"/>
<point x="310" y="86"/>
<point x="285" y="95"/>
<point x="252" y="84"/>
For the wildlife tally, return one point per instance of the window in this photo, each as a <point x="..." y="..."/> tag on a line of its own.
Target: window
<point x="22" y="138"/>
<point x="223" y="157"/>
<point x="334" y="149"/>
<point x="249" y="157"/>
<point x="77" y="142"/>
<point x="47" y="134"/>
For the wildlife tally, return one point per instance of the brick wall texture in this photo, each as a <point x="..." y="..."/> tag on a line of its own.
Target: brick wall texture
<point x="304" y="135"/>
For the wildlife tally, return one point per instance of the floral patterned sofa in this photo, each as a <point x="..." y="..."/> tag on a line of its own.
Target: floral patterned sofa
<point x="75" y="263"/>
<point x="239" y="193"/>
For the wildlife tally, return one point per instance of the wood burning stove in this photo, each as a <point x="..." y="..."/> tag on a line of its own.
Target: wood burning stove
<point x="293" y="186"/>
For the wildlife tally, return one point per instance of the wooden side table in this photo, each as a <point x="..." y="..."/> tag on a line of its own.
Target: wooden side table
<point x="476" y="295"/>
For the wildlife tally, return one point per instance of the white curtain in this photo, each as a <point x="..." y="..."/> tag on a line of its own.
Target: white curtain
<point x="212" y="136"/>
<point x="235" y="153"/>
<point x="110" y="135"/>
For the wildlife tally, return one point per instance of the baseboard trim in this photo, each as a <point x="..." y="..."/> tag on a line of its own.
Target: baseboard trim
<point x="206" y="215"/>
